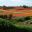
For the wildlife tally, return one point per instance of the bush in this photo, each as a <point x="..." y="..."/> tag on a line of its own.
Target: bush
<point x="1" y="16"/>
<point x="20" y="19"/>
<point x="6" y="16"/>
<point x="27" y="18"/>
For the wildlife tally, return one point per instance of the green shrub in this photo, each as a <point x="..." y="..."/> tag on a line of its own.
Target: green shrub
<point x="6" y="16"/>
<point x="27" y="18"/>
<point x="1" y="16"/>
<point x="20" y="19"/>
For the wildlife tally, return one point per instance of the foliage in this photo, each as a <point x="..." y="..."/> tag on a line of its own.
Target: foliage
<point x="8" y="24"/>
<point x="25" y="6"/>
<point x="19" y="20"/>
<point x="27" y="18"/>
<point x="5" y="7"/>
<point x="6" y="16"/>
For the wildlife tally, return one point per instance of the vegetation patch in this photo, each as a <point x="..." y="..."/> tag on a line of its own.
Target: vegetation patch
<point x="18" y="23"/>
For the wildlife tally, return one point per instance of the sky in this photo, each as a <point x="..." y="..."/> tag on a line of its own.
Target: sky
<point x="15" y="2"/>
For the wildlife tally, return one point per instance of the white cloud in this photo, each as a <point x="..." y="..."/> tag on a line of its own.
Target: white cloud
<point x="15" y="2"/>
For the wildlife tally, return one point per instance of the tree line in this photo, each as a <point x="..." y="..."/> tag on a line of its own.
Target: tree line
<point x="13" y="7"/>
<point x="9" y="7"/>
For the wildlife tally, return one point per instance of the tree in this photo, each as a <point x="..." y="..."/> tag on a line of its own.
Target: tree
<point x="25" y="6"/>
<point x="4" y="7"/>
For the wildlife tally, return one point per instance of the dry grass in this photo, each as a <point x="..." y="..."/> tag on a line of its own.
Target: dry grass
<point x="12" y="11"/>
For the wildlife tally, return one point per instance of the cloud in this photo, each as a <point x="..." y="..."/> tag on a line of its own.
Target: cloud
<point x="15" y="2"/>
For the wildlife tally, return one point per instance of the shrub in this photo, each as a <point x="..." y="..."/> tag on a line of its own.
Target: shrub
<point x="9" y="16"/>
<point x="6" y="16"/>
<point x="1" y="16"/>
<point x="20" y="19"/>
<point x="27" y="18"/>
